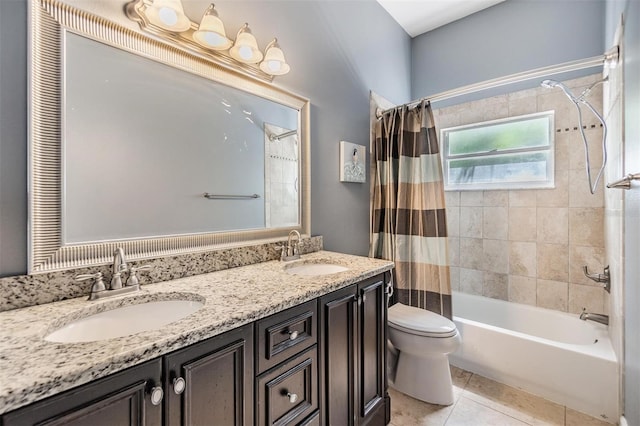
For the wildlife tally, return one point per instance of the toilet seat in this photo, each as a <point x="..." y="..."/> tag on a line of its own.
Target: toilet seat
<point x="420" y="322"/>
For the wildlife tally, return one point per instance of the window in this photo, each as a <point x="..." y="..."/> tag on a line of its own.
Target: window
<point x="511" y="153"/>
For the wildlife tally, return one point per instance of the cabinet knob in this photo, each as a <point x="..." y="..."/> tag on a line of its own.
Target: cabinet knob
<point x="293" y="397"/>
<point x="156" y="395"/>
<point x="364" y="298"/>
<point x="179" y="385"/>
<point x="293" y="335"/>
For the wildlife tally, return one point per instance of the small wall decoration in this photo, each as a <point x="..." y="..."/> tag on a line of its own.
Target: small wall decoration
<point x="352" y="162"/>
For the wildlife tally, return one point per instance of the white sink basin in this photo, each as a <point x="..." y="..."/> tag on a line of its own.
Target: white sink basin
<point x="314" y="269"/>
<point x="124" y="321"/>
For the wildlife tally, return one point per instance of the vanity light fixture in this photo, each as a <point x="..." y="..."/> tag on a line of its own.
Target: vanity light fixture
<point x="274" y="62"/>
<point x="245" y="48"/>
<point x="210" y="33"/>
<point x="166" y="19"/>
<point x="168" y="15"/>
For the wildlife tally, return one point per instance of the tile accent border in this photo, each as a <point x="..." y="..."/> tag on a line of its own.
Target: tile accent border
<point x="21" y="291"/>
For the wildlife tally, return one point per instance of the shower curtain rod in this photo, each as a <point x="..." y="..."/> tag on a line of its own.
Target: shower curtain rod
<point x="609" y="57"/>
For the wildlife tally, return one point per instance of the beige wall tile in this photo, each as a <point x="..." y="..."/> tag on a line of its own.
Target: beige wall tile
<point x="522" y="290"/>
<point x="580" y="194"/>
<point x="471" y="281"/>
<point x="471" y="255"/>
<point x="471" y="198"/>
<point x="522" y="198"/>
<point x="552" y="294"/>
<point x="585" y="296"/>
<point x="558" y="196"/>
<point x="496" y="198"/>
<point x="452" y="198"/>
<point x="523" y="105"/>
<point x="562" y="147"/>
<point x="553" y="262"/>
<point x="522" y="224"/>
<point x="453" y="221"/>
<point x="586" y="227"/>
<point x="553" y="225"/>
<point x="580" y="256"/>
<point x="495" y="223"/>
<point x="522" y="258"/>
<point x="577" y="158"/>
<point x="496" y="256"/>
<point x="454" y="273"/>
<point x="471" y="222"/>
<point x="496" y="286"/>
<point x="454" y="251"/>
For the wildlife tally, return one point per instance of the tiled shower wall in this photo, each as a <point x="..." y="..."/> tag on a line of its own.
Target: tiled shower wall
<point x="529" y="246"/>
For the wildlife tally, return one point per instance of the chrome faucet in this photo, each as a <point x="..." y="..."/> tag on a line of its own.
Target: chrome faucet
<point x="99" y="290"/>
<point x="292" y="250"/>
<point x="602" y="319"/>
<point x="119" y="266"/>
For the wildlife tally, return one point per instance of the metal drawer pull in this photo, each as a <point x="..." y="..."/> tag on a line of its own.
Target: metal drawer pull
<point x="292" y="397"/>
<point x="179" y="385"/>
<point x="156" y="395"/>
<point x="293" y="335"/>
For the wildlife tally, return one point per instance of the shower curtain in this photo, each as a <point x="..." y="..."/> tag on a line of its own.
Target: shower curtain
<point x="408" y="223"/>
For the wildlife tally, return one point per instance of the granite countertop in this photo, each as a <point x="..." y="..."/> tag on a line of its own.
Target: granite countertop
<point x="32" y="368"/>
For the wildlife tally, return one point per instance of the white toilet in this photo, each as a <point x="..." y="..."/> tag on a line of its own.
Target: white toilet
<point x="420" y="367"/>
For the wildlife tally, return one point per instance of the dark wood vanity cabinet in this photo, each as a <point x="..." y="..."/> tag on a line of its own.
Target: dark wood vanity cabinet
<point x="319" y="363"/>
<point x="211" y="382"/>
<point x="121" y="399"/>
<point x="353" y="352"/>
<point x="287" y="367"/>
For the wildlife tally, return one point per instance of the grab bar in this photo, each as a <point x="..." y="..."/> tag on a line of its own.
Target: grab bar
<point x="229" y="197"/>
<point x="625" y="182"/>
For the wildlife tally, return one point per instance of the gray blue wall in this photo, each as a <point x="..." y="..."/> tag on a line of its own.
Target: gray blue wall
<point x="338" y="51"/>
<point x="510" y="37"/>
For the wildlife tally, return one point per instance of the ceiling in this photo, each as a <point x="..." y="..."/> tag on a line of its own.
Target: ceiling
<point x="420" y="16"/>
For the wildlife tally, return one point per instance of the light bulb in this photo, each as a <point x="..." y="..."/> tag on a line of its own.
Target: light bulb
<point x="274" y="65"/>
<point x="168" y="16"/>
<point x="245" y="52"/>
<point x="214" y="39"/>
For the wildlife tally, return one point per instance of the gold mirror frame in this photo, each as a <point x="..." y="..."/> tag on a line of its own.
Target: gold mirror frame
<point x="49" y="19"/>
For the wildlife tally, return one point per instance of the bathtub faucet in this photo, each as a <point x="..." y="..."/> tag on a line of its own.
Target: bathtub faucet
<point x="602" y="319"/>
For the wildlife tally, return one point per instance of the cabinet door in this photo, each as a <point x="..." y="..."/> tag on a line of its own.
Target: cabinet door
<point x="121" y="399"/>
<point x="338" y="321"/>
<point x="371" y="386"/>
<point x="218" y="381"/>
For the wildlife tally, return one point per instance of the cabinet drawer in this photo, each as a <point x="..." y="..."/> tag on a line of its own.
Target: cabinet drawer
<point x="288" y="394"/>
<point x="285" y="334"/>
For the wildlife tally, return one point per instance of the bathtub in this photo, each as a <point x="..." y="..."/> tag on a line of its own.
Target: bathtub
<point x="548" y="353"/>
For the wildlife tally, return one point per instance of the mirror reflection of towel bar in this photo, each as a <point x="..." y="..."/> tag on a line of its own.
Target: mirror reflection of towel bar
<point x="625" y="182"/>
<point x="230" y="197"/>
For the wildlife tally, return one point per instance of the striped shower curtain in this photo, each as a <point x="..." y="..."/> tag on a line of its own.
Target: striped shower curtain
<point x="408" y="209"/>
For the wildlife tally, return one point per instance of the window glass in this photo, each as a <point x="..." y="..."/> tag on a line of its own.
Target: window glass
<point x="513" y="153"/>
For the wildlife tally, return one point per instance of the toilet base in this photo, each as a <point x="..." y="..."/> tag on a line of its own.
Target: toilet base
<point x="425" y="378"/>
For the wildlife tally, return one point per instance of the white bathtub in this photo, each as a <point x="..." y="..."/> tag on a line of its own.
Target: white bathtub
<point x="548" y="353"/>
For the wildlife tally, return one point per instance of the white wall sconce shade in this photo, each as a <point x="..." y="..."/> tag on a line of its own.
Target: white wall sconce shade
<point x="168" y="15"/>
<point x="245" y="49"/>
<point x="210" y="33"/>
<point x="274" y="62"/>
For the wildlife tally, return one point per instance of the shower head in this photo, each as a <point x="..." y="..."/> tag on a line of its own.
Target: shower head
<point x="550" y="84"/>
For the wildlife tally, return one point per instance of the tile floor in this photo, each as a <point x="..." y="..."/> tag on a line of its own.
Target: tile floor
<point x="483" y="402"/>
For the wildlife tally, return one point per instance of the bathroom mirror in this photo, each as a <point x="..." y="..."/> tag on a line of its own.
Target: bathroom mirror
<point x="143" y="145"/>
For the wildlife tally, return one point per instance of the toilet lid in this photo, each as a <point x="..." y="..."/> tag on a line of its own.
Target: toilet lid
<point x="420" y="321"/>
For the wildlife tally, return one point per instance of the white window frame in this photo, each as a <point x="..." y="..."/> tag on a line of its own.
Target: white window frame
<point x="549" y="182"/>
